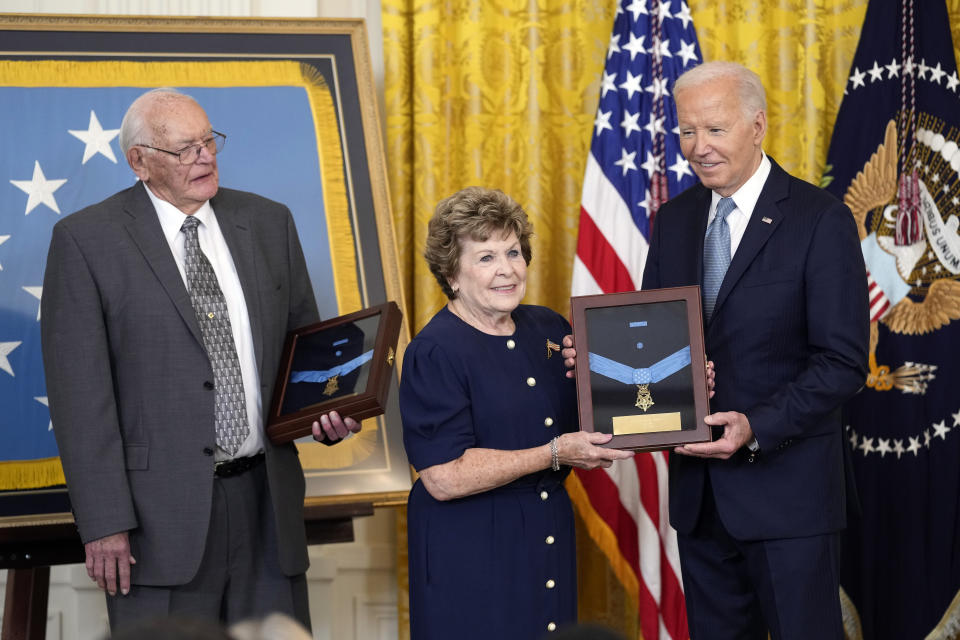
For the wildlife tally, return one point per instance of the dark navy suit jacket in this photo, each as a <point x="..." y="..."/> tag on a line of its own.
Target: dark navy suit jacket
<point x="789" y="339"/>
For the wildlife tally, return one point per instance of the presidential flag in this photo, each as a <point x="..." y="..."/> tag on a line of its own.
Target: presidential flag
<point x="635" y="165"/>
<point x="59" y="122"/>
<point x="894" y="159"/>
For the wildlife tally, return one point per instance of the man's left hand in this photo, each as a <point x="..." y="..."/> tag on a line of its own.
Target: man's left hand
<point x="569" y="354"/>
<point x="331" y="427"/>
<point x="736" y="434"/>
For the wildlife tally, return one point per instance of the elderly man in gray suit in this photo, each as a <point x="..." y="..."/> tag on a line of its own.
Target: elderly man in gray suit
<point x="165" y="309"/>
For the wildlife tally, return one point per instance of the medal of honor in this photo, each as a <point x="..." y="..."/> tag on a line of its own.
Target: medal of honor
<point x="330" y="376"/>
<point x="332" y="386"/>
<point x="644" y="399"/>
<point x="643" y="377"/>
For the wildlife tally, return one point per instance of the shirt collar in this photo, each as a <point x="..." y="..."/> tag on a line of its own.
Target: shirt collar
<point x="171" y="218"/>
<point x="747" y="195"/>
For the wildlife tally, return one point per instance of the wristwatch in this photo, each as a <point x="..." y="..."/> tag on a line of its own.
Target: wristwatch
<point x="753" y="445"/>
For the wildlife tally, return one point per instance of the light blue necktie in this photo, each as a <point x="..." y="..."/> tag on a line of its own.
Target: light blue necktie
<point x="716" y="255"/>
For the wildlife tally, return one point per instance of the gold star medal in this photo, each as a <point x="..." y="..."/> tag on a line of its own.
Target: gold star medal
<point x="644" y="399"/>
<point x="332" y="386"/>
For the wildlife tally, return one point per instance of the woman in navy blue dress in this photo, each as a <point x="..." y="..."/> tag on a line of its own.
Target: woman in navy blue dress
<point x="490" y="424"/>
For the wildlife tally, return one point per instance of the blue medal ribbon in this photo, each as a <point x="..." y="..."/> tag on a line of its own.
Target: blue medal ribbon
<point x="643" y="375"/>
<point x="323" y="376"/>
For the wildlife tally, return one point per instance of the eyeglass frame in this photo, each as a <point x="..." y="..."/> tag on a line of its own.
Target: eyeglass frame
<point x="198" y="146"/>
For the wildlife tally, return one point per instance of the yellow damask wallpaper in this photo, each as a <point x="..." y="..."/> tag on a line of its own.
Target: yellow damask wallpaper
<point x="499" y="93"/>
<point x="802" y="51"/>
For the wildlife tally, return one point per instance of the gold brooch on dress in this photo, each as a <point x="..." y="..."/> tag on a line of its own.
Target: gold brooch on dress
<point x="551" y="347"/>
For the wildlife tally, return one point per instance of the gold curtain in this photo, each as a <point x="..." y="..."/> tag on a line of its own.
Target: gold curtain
<point x="802" y="51"/>
<point x="502" y="93"/>
<point x="498" y="93"/>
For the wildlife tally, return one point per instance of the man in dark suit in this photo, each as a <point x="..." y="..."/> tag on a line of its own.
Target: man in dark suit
<point x="165" y="309"/>
<point x="758" y="510"/>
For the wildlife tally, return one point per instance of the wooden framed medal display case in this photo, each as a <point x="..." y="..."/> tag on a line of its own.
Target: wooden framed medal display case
<point x="343" y="365"/>
<point x="641" y="368"/>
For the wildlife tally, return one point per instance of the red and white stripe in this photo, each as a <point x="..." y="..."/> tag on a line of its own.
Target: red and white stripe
<point x="879" y="303"/>
<point x="611" y="251"/>
<point x="631" y="496"/>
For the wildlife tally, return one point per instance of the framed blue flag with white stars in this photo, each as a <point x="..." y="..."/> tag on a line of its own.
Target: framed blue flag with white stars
<point x="297" y="102"/>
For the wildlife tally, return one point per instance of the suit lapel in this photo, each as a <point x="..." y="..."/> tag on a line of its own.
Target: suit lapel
<point x="762" y="224"/>
<point x="144" y="227"/>
<point x="699" y="229"/>
<point x="235" y="225"/>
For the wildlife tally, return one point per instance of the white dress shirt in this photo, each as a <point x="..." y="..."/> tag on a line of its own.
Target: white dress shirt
<point x="746" y="200"/>
<point x="215" y="248"/>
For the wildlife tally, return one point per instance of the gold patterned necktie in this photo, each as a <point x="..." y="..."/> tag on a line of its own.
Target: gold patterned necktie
<point x="232" y="425"/>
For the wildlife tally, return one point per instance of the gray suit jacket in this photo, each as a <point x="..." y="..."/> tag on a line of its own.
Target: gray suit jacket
<point x="128" y="378"/>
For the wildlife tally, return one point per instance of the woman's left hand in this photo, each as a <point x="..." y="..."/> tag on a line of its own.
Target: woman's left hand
<point x="580" y="449"/>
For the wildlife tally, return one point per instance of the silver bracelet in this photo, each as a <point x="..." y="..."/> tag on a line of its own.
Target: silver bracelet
<point x="554" y="455"/>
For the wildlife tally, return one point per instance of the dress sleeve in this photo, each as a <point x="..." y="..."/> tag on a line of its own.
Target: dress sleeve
<point x="435" y="406"/>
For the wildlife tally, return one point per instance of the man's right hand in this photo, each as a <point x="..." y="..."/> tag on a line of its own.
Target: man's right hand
<point x="108" y="559"/>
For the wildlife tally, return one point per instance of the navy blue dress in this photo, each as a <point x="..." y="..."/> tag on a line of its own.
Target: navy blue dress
<point x="499" y="564"/>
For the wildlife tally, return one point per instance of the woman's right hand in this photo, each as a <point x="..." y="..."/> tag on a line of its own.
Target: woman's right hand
<point x="579" y="449"/>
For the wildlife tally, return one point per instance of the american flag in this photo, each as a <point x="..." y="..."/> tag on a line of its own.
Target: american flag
<point x="634" y="166"/>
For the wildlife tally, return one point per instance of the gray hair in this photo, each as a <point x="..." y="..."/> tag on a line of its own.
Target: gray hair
<point x="753" y="97"/>
<point x="475" y="213"/>
<point x="135" y="129"/>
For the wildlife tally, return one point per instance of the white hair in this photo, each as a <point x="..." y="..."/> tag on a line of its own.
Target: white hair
<point x="753" y="97"/>
<point x="135" y="129"/>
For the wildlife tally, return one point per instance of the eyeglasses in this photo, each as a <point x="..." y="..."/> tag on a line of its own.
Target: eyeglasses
<point x="190" y="154"/>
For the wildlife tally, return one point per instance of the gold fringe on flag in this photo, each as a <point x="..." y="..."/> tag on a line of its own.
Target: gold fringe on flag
<point x="31" y="474"/>
<point x="603" y="536"/>
<point x="339" y="228"/>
